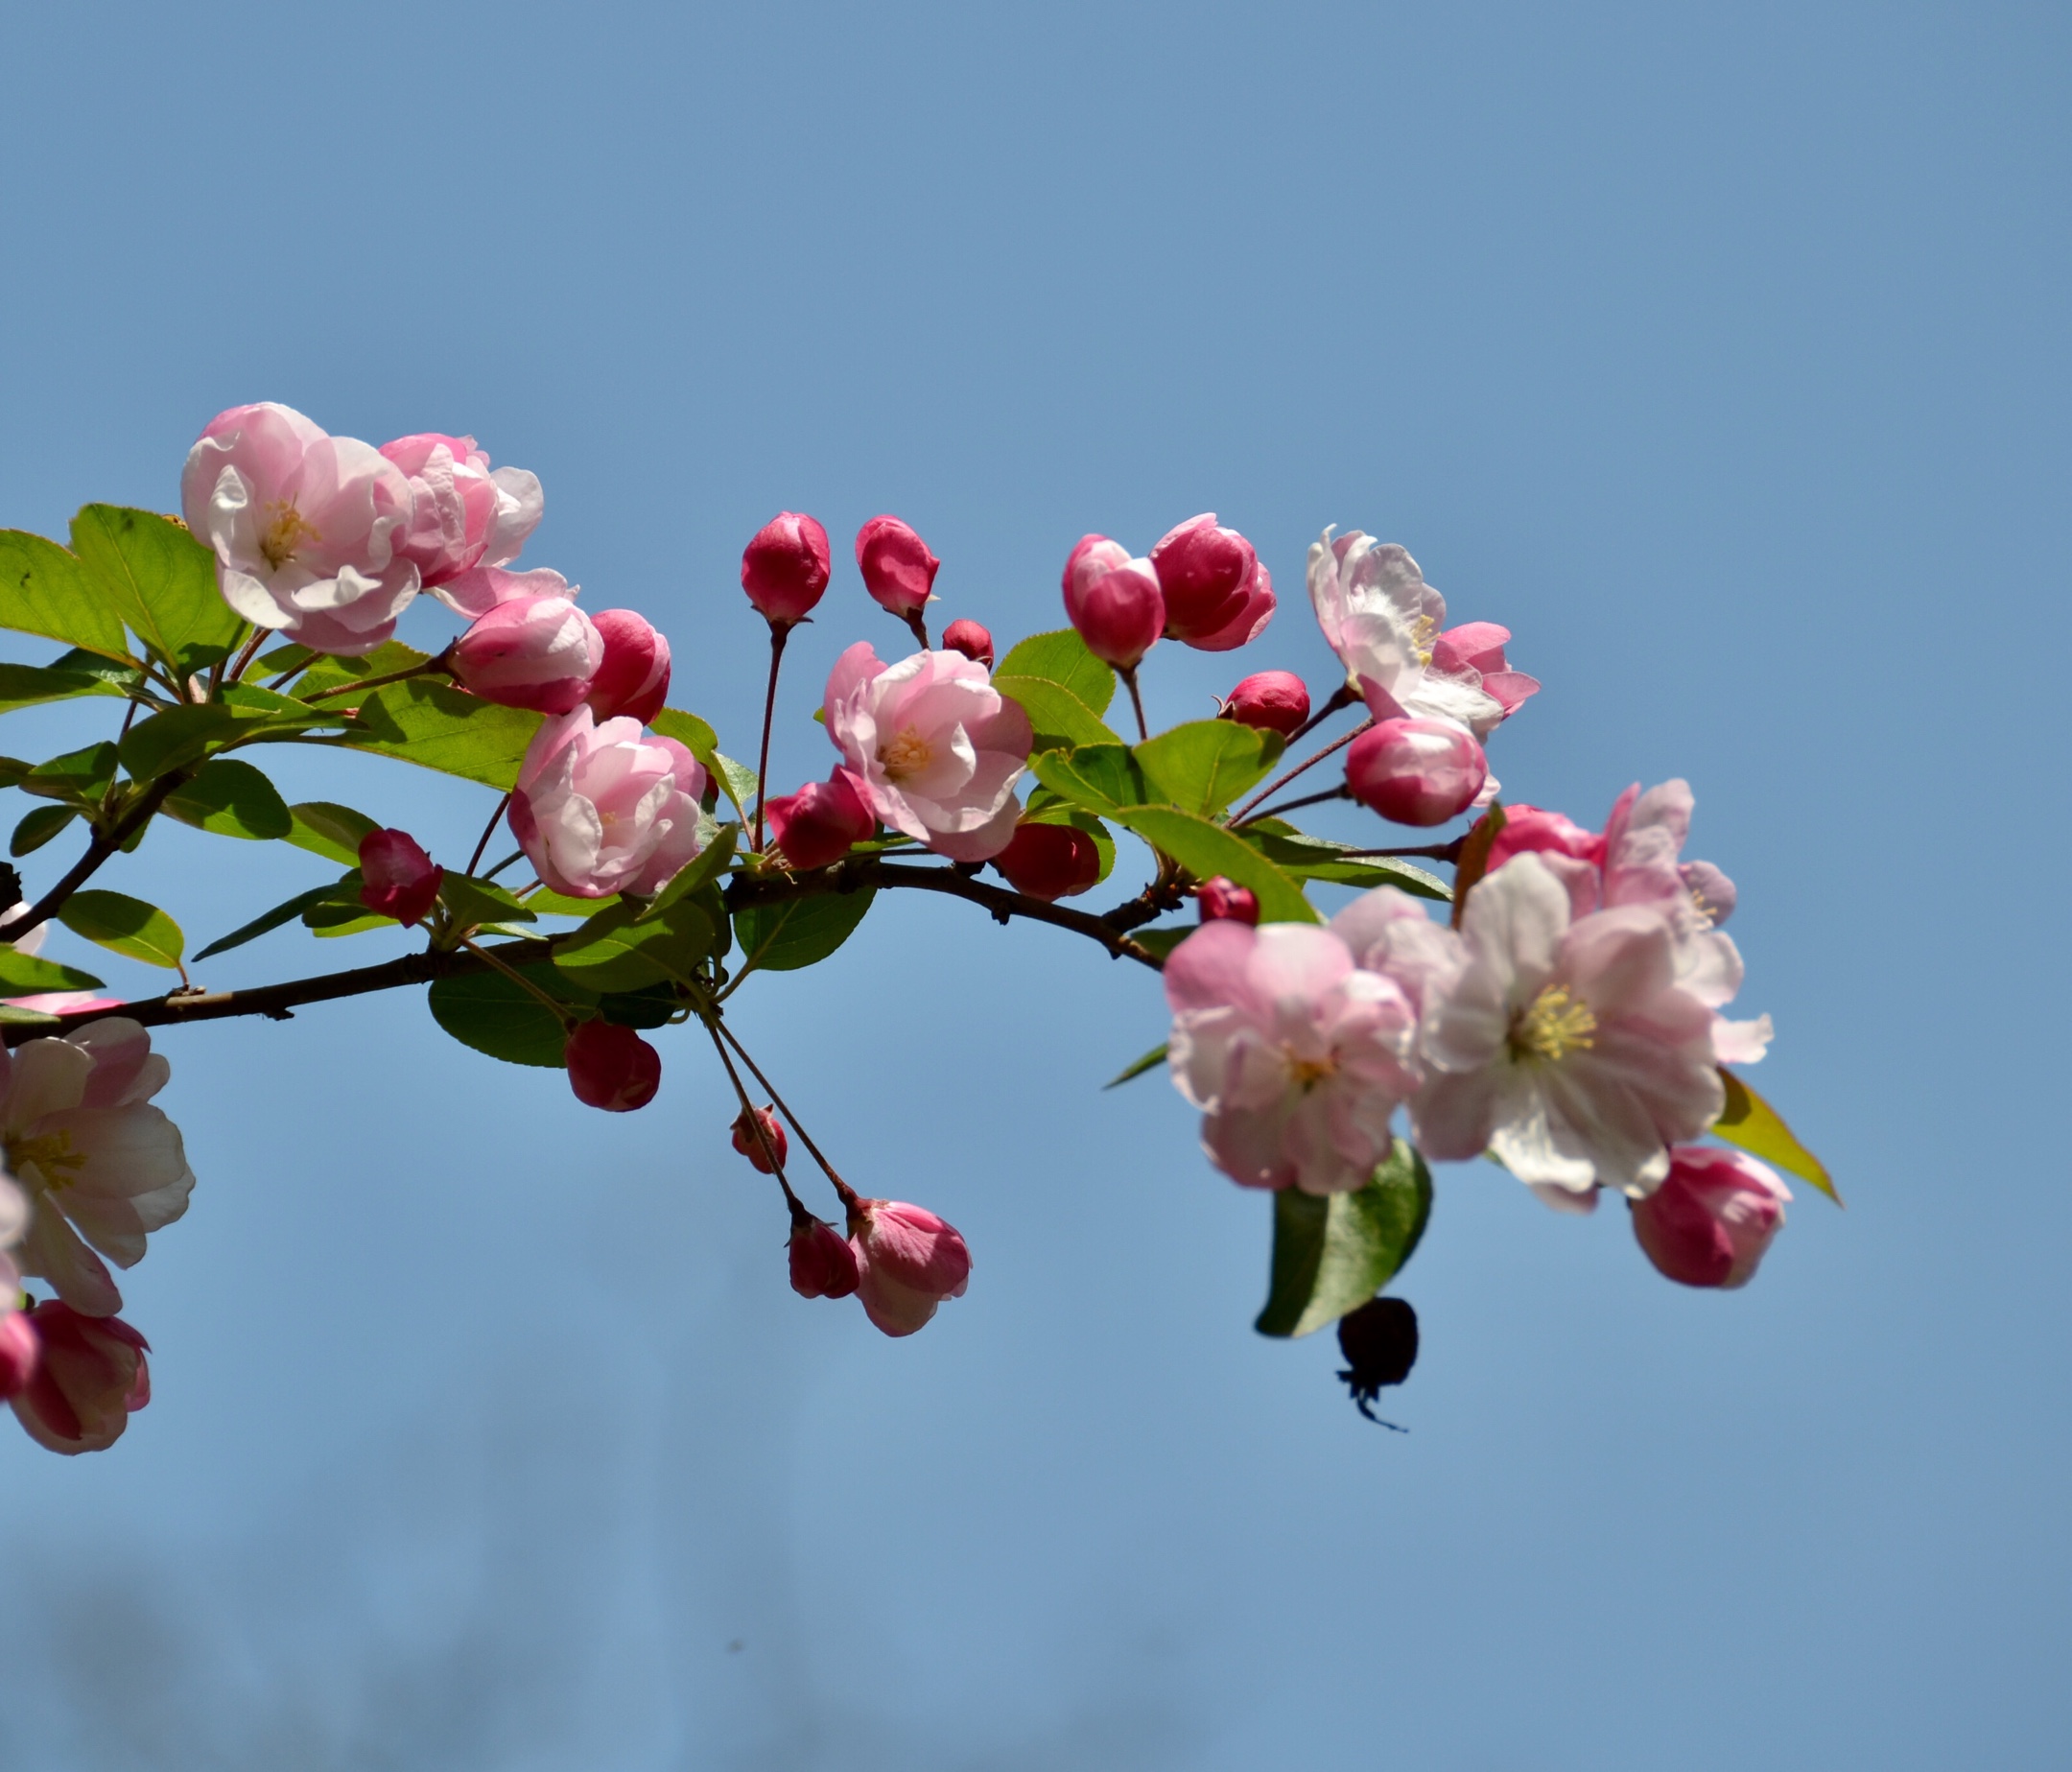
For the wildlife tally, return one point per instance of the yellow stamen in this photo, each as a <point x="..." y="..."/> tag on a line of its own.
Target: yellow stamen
<point x="1422" y="632"/>
<point x="1556" y="1025"/>
<point x="907" y="755"/>
<point x="52" y="1154"/>
<point x="1308" y="1072"/>
<point x="286" y="530"/>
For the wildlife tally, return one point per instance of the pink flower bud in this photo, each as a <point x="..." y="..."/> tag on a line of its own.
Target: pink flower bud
<point x="823" y="1265"/>
<point x="785" y="567"/>
<point x="907" y="1261"/>
<point x="1415" y="772"/>
<point x="611" y="1067"/>
<point x="822" y="821"/>
<point x="1572" y="855"/>
<point x="1272" y="700"/>
<point x="397" y="878"/>
<point x="1221" y="898"/>
<point x="1713" y="1216"/>
<point x="965" y="635"/>
<point x="1049" y="860"/>
<point x="633" y="679"/>
<point x="18" y="1351"/>
<point x="750" y="1146"/>
<point x="1113" y="600"/>
<point x="1217" y="595"/>
<point x="898" y="570"/>
<point x="90" y="1377"/>
<point x="537" y="652"/>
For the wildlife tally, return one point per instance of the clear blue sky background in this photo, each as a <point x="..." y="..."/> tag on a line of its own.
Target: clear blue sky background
<point x="1721" y="353"/>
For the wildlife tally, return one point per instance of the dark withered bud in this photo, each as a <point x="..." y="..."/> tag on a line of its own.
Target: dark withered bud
<point x="1380" y="1342"/>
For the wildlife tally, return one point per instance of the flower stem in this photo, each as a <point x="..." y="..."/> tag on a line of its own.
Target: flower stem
<point x="1244" y="812"/>
<point x="755" y="1123"/>
<point x="1345" y="695"/>
<point x="1339" y="792"/>
<point x="720" y="1030"/>
<point x="778" y="635"/>
<point x="489" y="830"/>
<point x="1128" y="674"/>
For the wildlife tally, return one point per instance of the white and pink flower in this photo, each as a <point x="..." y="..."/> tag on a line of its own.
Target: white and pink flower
<point x="931" y="747"/>
<point x="605" y="807"/>
<point x="465" y="517"/>
<point x="90" y="1376"/>
<point x="909" y="1261"/>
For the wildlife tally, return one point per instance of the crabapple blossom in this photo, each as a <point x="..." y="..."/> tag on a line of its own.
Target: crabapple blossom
<point x="611" y="1067"/>
<point x="1219" y="898"/>
<point x="605" y="807"/>
<point x="1415" y="772"/>
<point x="1388" y="932"/>
<point x="1049" y="860"/>
<point x="90" y="1377"/>
<point x="1566" y="1045"/>
<point x="1478" y="646"/>
<point x="1572" y="855"/>
<point x="465" y="517"/>
<point x="907" y="1261"/>
<point x="823" y="822"/>
<point x="397" y="878"/>
<point x="965" y="635"/>
<point x="1217" y="595"/>
<point x="102" y="1168"/>
<point x="935" y="748"/>
<point x="307" y="529"/>
<point x="634" y="677"/>
<point x="823" y="1261"/>
<point x="784" y="568"/>
<point x="1713" y="1218"/>
<point x="1113" y="600"/>
<point x="1297" y="1059"/>
<point x="1272" y="700"/>
<point x="899" y="570"/>
<point x="537" y="652"/>
<point x="18" y="1345"/>
<point x="745" y="1141"/>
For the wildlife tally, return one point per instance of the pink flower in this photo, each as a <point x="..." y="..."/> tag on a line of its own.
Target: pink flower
<point x="1217" y="595"/>
<point x="1219" y="899"/>
<point x="397" y="878"/>
<point x="898" y="571"/>
<point x="823" y="822"/>
<point x="634" y="677"/>
<point x="1713" y="1218"/>
<point x="90" y="1377"/>
<point x="306" y="528"/>
<point x="19" y="1349"/>
<point x="1478" y="646"/>
<point x="752" y="1148"/>
<point x="537" y="652"/>
<point x="1297" y="1059"/>
<point x="907" y="1261"/>
<point x="823" y="1263"/>
<point x="785" y="567"/>
<point x="1566" y="1047"/>
<point x="611" y="1067"/>
<point x="463" y="516"/>
<point x="63" y="1002"/>
<point x="1388" y="932"/>
<point x="605" y="807"/>
<point x="97" y="1162"/>
<point x="1415" y="772"/>
<point x="1572" y="855"/>
<point x="1272" y="700"/>
<point x="1113" y="600"/>
<point x="935" y="748"/>
<point x="1049" y="862"/>
<point x="965" y="635"/>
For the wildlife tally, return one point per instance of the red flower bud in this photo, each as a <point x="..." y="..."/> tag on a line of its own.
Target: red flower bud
<point x="1415" y="772"/>
<point x="1712" y="1219"/>
<point x="633" y="679"/>
<point x="1113" y="600"/>
<point x="785" y="567"/>
<point x="1272" y="700"/>
<point x="898" y="570"/>
<point x="965" y="635"/>
<point x="750" y="1146"/>
<point x="90" y="1377"/>
<point x="1049" y="860"/>
<point x="397" y="878"/>
<point x="1217" y="595"/>
<point x="819" y="823"/>
<point x="19" y="1348"/>
<point x="823" y="1265"/>
<point x="1220" y="898"/>
<point x="611" y="1067"/>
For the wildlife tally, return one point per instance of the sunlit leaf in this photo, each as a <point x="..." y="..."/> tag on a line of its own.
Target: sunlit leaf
<point x="1334" y="1252"/>
<point x="798" y="931"/>
<point x="1057" y="717"/>
<point x="1206" y="850"/>
<point x="1101" y="778"/>
<point x="24" y="686"/>
<point x="616" y="952"/>
<point x="284" y="913"/>
<point x="475" y="903"/>
<point x="706" y="867"/>
<point x="1301" y="857"/>
<point x="27" y="974"/>
<point x="231" y="799"/>
<point x="1759" y="1129"/>
<point x="1205" y="765"/>
<point x="325" y="828"/>
<point x="438" y="727"/>
<point x="125" y="926"/>
<point x="1150" y="1062"/>
<point x="500" y="1017"/>
<point x="81" y="777"/>
<point x="1061" y="657"/>
<point x="38" y="827"/>
<point x="160" y="579"/>
<point x="45" y="590"/>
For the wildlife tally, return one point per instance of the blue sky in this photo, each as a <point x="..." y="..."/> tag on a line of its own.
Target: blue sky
<point x="1720" y="355"/>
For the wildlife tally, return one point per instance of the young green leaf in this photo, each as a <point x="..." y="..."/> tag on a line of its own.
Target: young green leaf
<point x="45" y="590"/>
<point x="441" y="728"/>
<point x="38" y="827"/>
<point x="81" y="777"/>
<point x="325" y="828"/>
<point x="125" y="926"/>
<point x="1303" y="857"/>
<point x="1061" y="657"/>
<point x="477" y="902"/>
<point x="24" y="686"/>
<point x="160" y="577"/>
<point x="1332" y="1254"/>
<point x="1759" y="1129"/>
<point x="500" y="1017"/>
<point x="545" y="903"/>
<point x="1058" y="717"/>
<point x="1150" y="1062"/>
<point x="1103" y="778"/>
<point x="179" y="737"/>
<point x="797" y="932"/>
<point x="1206" y="764"/>
<point x="696" y="736"/>
<point x="24" y="974"/>
<point x="615" y="952"/>
<point x="706" y="867"/>
<point x="328" y="673"/>
<point x="284" y="913"/>
<point x="1206" y="850"/>
<point x="231" y="799"/>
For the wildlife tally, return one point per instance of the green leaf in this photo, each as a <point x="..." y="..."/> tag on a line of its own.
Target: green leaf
<point x="544" y="903"/>
<point x="24" y="974"/>
<point x="1301" y="857"/>
<point x="441" y="728"/>
<point x="1057" y="717"/>
<point x="232" y="799"/>
<point x="83" y="777"/>
<point x="696" y="736"/>
<point x="798" y="931"/>
<point x="125" y="926"/>
<point x="1150" y="1062"/>
<point x="1759" y="1129"/>
<point x="494" y="1015"/>
<point x="327" y="673"/>
<point x="160" y="577"/>
<point x="477" y="902"/>
<point x="284" y="913"/>
<point x="615" y="952"/>
<point x="706" y="867"/>
<point x="1161" y="942"/>
<point x="1103" y="778"/>
<point x="39" y="827"/>
<point x="1206" y="850"/>
<point x="45" y="590"/>
<point x="181" y="735"/>
<point x="24" y="686"/>
<point x="325" y="828"/>
<point x="1205" y="765"/>
<point x="1061" y="657"/>
<point x="1332" y="1254"/>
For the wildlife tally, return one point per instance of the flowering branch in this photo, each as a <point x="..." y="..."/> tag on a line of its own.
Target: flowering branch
<point x="105" y="843"/>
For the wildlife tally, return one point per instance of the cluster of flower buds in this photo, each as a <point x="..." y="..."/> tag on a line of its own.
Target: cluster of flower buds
<point x="1202" y="585"/>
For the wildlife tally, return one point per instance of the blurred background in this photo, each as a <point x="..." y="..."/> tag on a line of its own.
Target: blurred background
<point x="1719" y="353"/>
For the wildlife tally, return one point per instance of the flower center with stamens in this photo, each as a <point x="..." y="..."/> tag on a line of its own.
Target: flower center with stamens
<point x="286" y="530"/>
<point x="52" y="1154"/>
<point x="1703" y="906"/>
<point x="907" y="753"/>
<point x="1422" y="632"/>
<point x="1307" y="1073"/>
<point x="1555" y="1024"/>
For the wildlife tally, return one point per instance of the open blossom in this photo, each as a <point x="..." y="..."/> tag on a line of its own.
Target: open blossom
<point x="1297" y="1057"/>
<point x="465" y="517"/>
<point x="1566" y="1045"/>
<point x="17" y="1339"/>
<point x="102" y="1168"/>
<point x="1713" y="1218"/>
<point x="307" y="529"/>
<point x="605" y="807"/>
<point x="1387" y="626"/>
<point x="90" y="1377"/>
<point x="1217" y="594"/>
<point x="935" y="748"/>
<point x="907" y="1261"/>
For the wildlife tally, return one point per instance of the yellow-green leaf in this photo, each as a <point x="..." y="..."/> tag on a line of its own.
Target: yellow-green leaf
<point x="1759" y="1129"/>
<point x="125" y="926"/>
